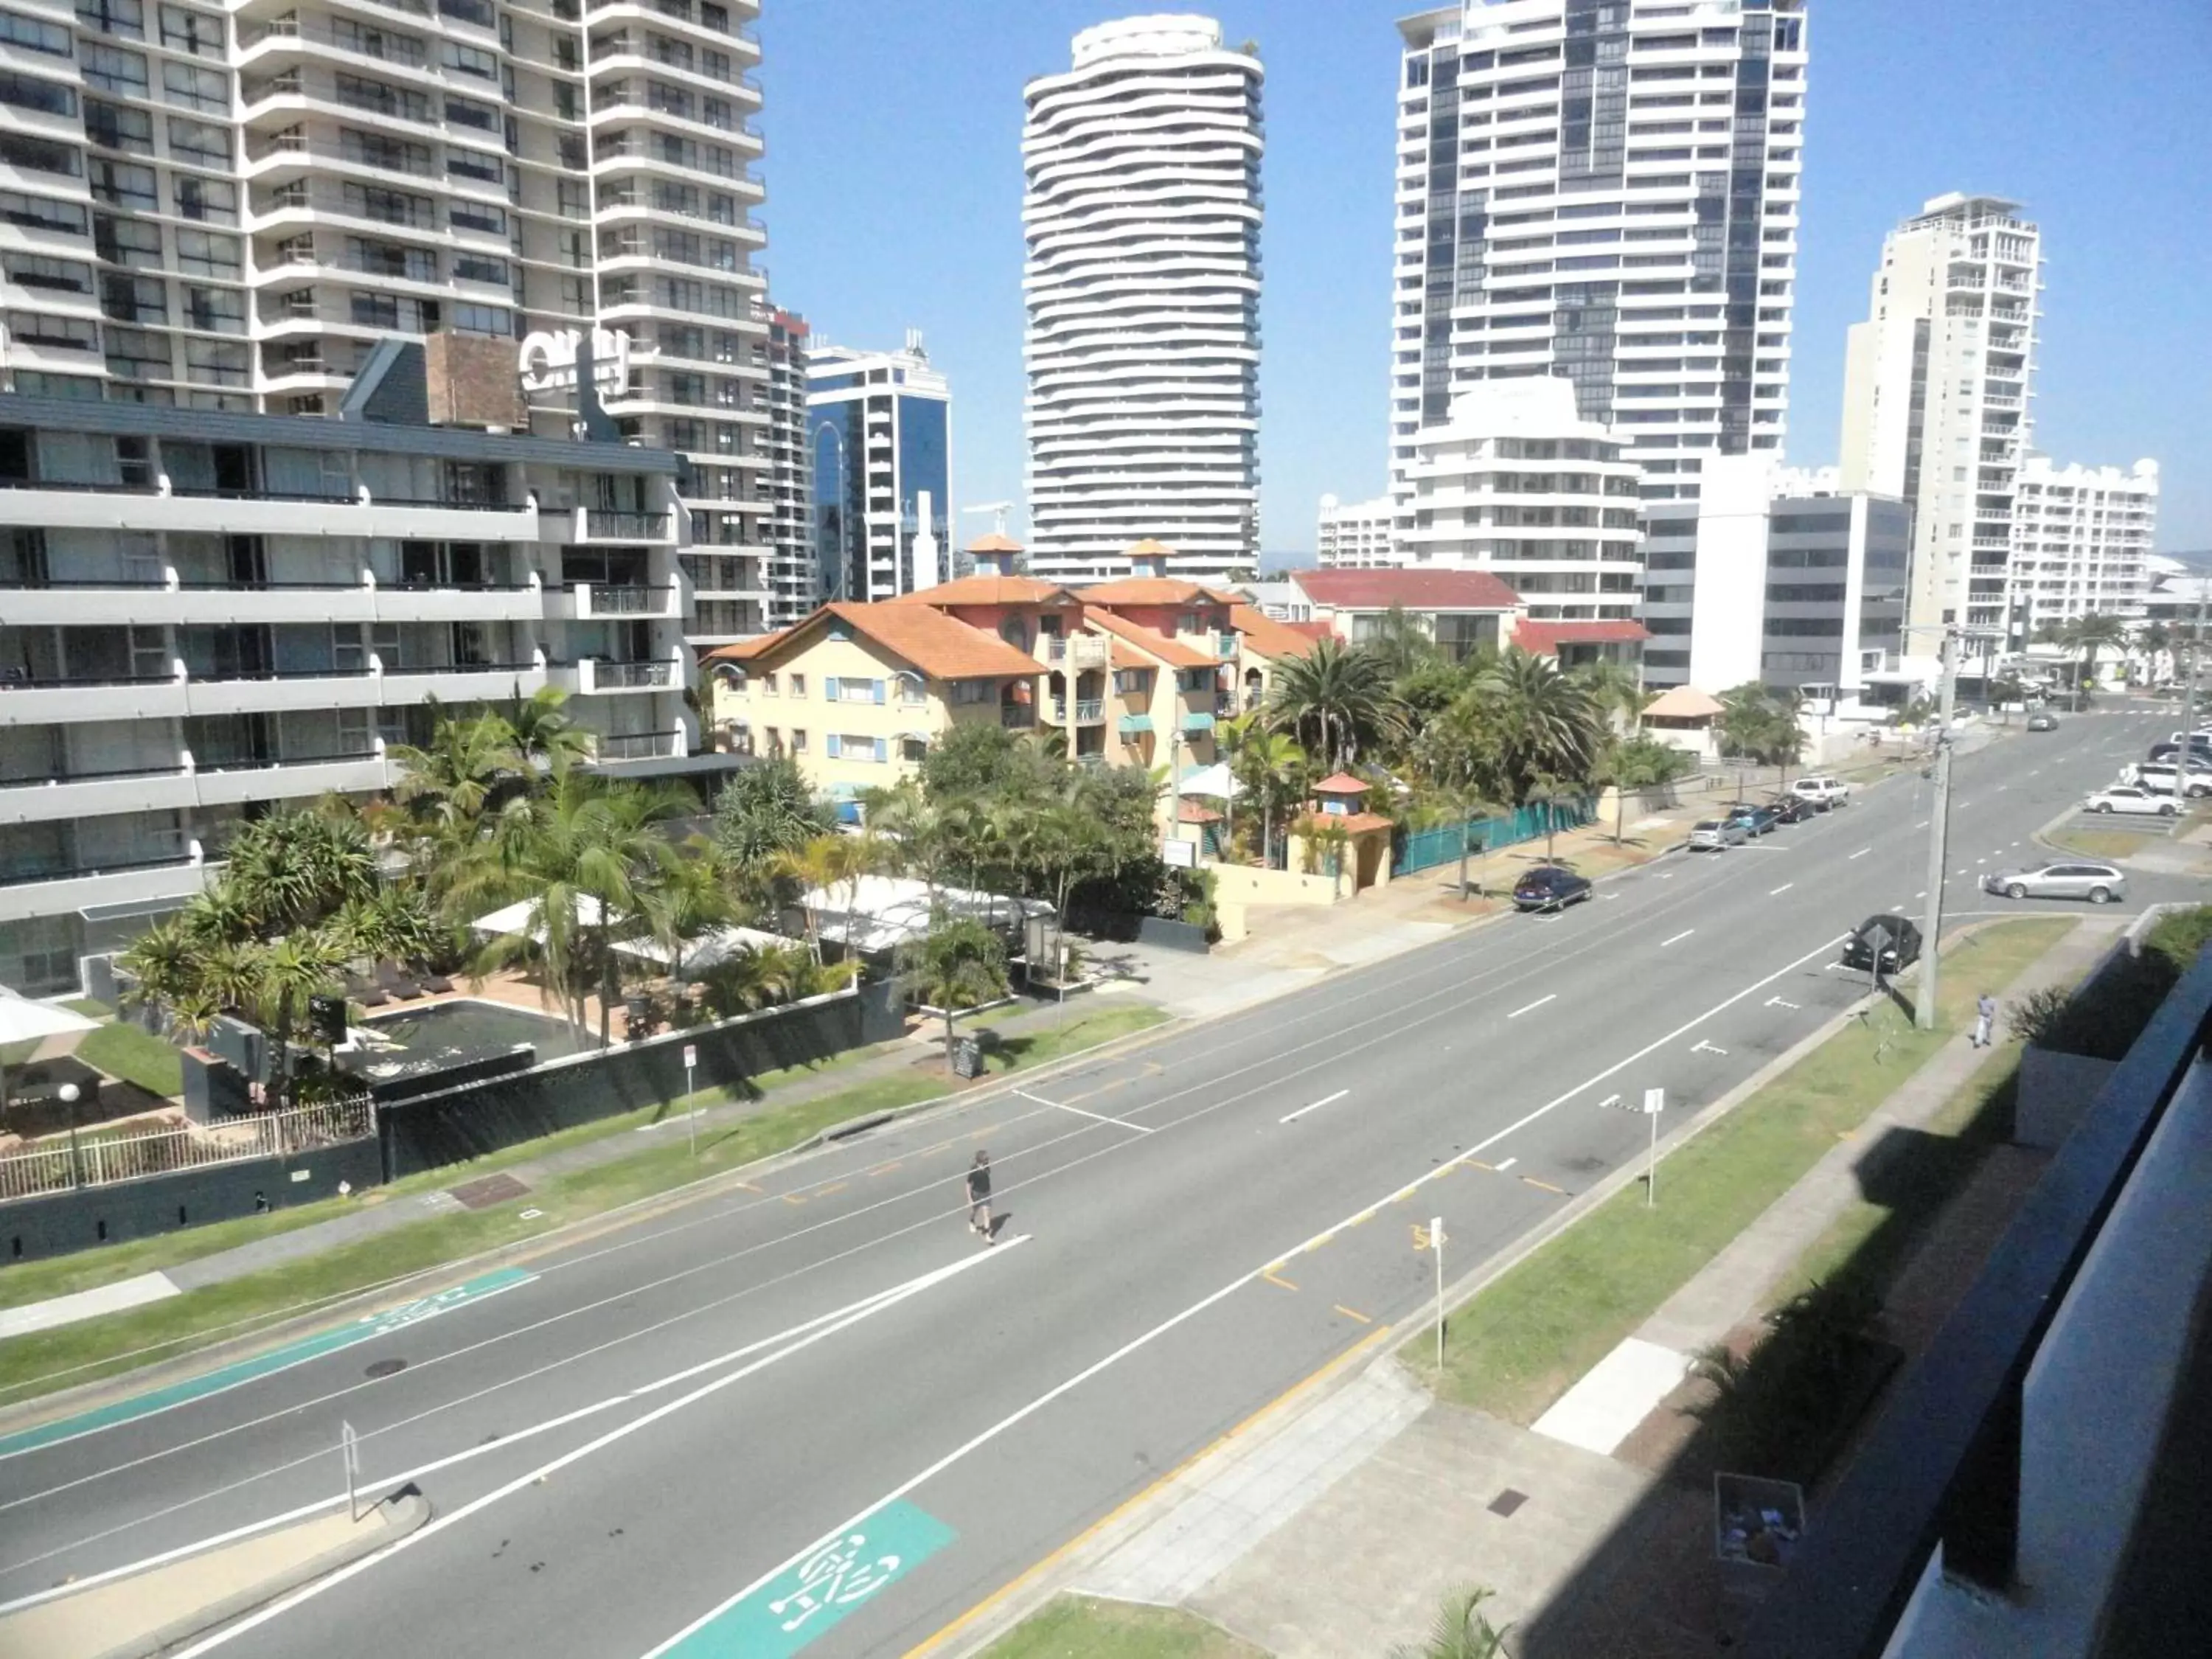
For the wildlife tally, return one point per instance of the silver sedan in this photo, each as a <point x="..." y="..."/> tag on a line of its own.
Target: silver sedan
<point x="2100" y="884"/>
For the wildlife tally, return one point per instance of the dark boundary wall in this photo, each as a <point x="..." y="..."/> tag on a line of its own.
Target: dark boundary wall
<point x="57" y="1223"/>
<point x="476" y="1118"/>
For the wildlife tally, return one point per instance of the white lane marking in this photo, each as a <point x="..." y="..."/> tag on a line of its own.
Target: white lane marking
<point x="1022" y="1414"/>
<point x="1293" y="1117"/>
<point x="1776" y="892"/>
<point x="1924" y="824"/>
<point x="1533" y="1006"/>
<point x="1665" y="875"/>
<point x="1862" y="853"/>
<point x="1702" y="1046"/>
<point x="1096" y="1117"/>
<point x="524" y="1482"/>
<point x="1678" y="937"/>
<point x="1923" y="893"/>
<point x="1779" y="1002"/>
<point x="1505" y="1164"/>
<point x="2015" y="843"/>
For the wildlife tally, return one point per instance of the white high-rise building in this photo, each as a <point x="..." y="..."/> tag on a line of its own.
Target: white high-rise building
<point x="1936" y="384"/>
<point x="1516" y="482"/>
<point x="2080" y="543"/>
<point x="1142" y="215"/>
<point x="229" y="207"/>
<point x="880" y="442"/>
<point x="1608" y="194"/>
<point x="1352" y="535"/>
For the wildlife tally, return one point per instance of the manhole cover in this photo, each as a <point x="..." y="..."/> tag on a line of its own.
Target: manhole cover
<point x="488" y="1190"/>
<point x="1508" y="1501"/>
<point x="387" y="1368"/>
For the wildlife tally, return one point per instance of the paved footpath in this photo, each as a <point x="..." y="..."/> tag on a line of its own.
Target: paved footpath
<point x="1339" y="1524"/>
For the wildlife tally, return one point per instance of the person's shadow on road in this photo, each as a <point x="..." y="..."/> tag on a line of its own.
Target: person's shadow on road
<point x="998" y="1223"/>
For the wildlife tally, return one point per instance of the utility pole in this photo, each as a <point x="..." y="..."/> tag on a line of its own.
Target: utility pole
<point x="2196" y="646"/>
<point x="1939" y="825"/>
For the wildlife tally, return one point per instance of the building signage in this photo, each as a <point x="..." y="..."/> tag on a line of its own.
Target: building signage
<point x="548" y="360"/>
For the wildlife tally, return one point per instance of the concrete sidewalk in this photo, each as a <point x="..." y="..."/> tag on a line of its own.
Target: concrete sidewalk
<point x="1341" y="1521"/>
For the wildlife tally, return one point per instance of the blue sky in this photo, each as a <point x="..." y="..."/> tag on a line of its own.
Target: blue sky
<point x="893" y="176"/>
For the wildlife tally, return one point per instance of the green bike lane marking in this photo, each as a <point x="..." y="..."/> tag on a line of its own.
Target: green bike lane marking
<point x="283" y="1357"/>
<point x="808" y="1600"/>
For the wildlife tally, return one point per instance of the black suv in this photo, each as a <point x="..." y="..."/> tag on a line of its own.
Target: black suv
<point x="1548" y="887"/>
<point x="1885" y="944"/>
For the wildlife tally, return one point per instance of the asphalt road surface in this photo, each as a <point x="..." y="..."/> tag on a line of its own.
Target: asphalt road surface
<point x="815" y="1413"/>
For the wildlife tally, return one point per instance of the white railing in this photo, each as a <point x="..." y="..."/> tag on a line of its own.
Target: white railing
<point x="99" y="1159"/>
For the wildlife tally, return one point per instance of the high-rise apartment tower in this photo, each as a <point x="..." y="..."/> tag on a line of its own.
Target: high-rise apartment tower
<point x="1936" y="384"/>
<point x="1142" y="215"/>
<point x="2080" y="544"/>
<point x="1608" y="193"/>
<point x="879" y="441"/>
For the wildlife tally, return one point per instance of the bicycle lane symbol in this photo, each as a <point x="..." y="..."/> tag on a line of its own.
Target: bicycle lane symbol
<point x="802" y="1603"/>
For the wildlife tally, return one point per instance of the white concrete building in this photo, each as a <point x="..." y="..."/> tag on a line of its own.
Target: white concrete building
<point x="1936" y="389"/>
<point x="1803" y="592"/>
<point x="879" y="444"/>
<point x="1608" y="193"/>
<point x="1352" y="535"/>
<point x="203" y="613"/>
<point x="793" y="591"/>
<point x="1142" y="216"/>
<point x="2080" y="543"/>
<point x="1518" y="483"/>
<point x="228" y="207"/>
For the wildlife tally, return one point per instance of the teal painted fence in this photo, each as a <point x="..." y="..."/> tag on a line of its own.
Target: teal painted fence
<point x="1424" y="849"/>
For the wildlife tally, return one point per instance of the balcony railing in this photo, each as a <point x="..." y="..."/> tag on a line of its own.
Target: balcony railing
<point x="96" y="1160"/>
<point x="110" y="775"/>
<point x="647" y="672"/>
<point x="639" y="746"/>
<point x="601" y="524"/>
<point x="25" y="876"/>
<point x="1088" y="711"/>
<point x="1018" y="716"/>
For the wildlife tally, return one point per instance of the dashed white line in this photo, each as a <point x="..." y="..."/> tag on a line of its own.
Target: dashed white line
<point x="1922" y="825"/>
<point x="1505" y="1164"/>
<point x="1773" y="892"/>
<point x="1533" y="1006"/>
<point x="1293" y="1117"/>
<point x="1678" y="937"/>
<point x="1862" y="853"/>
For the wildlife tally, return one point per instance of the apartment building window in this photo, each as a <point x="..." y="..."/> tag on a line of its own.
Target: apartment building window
<point x="470" y="60"/>
<point x="215" y="361"/>
<point x="19" y="149"/>
<point x="212" y="199"/>
<point x="198" y="142"/>
<point x="204" y="89"/>
<point x="798" y="739"/>
<point x="124" y="185"/>
<point x="138" y="354"/>
<point x="799" y="685"/>
<point x="35" y="271"/>
<point x="111" y="126"/>
<point x="126" y="18"/>
<point x="34" y="36"/>
<point x="478" y="268"/>
<point x="190" y="31"/>
<point x="390" y="155"/>
<point x="471" y="215"/>
<point x="39" y="328"/>
<point x="853" y="747"/>
<point x="133" y="299"/>
<point x="468" y="112"/>
<point x="113" y="69"/>
<point x="473" y="164"/>
<point x="204" y="253"/>
<point x="213" y="310"/>
<point x="483" y="319"/>
<point x="41" y="213"/>
<point x="127" y="242"/>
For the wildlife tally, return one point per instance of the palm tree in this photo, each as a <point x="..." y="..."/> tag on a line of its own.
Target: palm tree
<point x="2091" y="635"/>
<point x="541" y="738"/>
<point x="1274" y="768"/>
<point x="1614" y="688"/>
<point x="765" y="810"/>
<point x="956" y="964"/>
<point x="1461" y="1632"/>
<point x="1755" y="726"/>
<point x="1544" y="724"/>
<point x="914" y="829"/>
<point x="1400" y="643"/>
<point x="450" y="782"/>
<point x="1333" y="699"/>
<point x="823" y="866"/>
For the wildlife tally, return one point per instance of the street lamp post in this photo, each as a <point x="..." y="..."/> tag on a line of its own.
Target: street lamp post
<point x="1923" y="1011"/>
<point x="69" y="1098"/>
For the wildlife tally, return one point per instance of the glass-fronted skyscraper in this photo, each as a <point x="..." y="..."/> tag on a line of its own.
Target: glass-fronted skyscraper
<point x="879" y="444"/>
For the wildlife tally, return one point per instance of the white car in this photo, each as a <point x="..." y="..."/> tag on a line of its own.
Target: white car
<point x="1718" y="835"/>
<point x="2128" y="798"/>
<point x="1822" y="792"/>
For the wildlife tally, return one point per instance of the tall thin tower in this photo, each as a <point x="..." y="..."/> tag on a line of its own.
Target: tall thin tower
<point x="1936" y="383"/>
<point x="1607" y="196"/>
<point x="1142" y="216"/>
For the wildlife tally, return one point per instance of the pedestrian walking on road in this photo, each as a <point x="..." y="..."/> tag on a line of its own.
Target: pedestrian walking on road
<point x="1985" y="1018"/>
<point x="979" y="1195"/>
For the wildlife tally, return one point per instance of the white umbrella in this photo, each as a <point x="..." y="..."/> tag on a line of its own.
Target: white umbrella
<point x="55" y="1030"/>
<point x="1212" y="780"/>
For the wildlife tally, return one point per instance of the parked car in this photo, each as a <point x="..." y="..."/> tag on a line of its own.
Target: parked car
<point x="2042" y="721"/>
<point x="1885" y="944"/>
<point x="1824" y="793"/>
<point x="1756" y="819"/>
<point x="1715" y="834"/>
<point x="2162" y="778"/>
<point x="1790" y="809"/>
<point x="2130" y="798"/>
<point x="1549" y="887"/>
<point x="2100" y="884"/>
<point x="2200" y="751"/>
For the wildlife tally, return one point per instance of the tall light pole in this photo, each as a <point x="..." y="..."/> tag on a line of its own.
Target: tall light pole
<point x="2195" y="647"/>
<point x="1931" y="926"/>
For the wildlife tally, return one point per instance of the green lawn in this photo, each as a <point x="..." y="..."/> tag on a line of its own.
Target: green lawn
<point x="90" y="1007"/>
<point x="34" y="1363"/>
<point x="137" y="1056"/>
<point x="1518" y="1344"/>
<point x="1080" y="1627"/>
<point x="2103" y="843"/>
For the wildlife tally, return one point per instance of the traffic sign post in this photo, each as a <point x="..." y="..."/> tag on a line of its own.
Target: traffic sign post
<point x="1655" y="1101"/>
<point x="1432" y="1239"/>
<point x="690" y="1105"/>
<point x="350" y="1446"/>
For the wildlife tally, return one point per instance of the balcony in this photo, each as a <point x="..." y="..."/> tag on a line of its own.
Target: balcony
<point x="24" y="894"/>
<point x="599" y="523"/>
<point x="591" y="601"/>
<point x="615" y="749"/>
<point x="1017" y="716"/>
<point x="67" y="700"/>
<point x="115" y="507"/>
<point x="1088" y="711"/>
<point x="489" y="682"/>
<point x="96" y="794"/>
<point x="596" y="676"/>
<point x="295" y="777"/>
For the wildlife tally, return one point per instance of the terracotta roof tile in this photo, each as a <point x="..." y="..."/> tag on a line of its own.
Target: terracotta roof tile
<point x="1342" y="783"/>
<point x="1268" y="637"/>
<point x="1174" y="653"/>
<point x="1545" y="638"/>
<point x="744" y="650"/>
<point x="1152" y="589"/>
<point x="994" y="543"/>
<point x="986" y="588"/>
<point x="1352" y="824"/>
<point x="941" y="646"/>
<point x="1416" y="590"/>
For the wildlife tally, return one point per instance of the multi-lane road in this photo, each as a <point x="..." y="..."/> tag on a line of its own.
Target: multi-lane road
<point x="668" y="1439"/>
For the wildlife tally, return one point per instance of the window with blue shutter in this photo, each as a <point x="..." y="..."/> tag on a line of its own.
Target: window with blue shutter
<point x="882" y="751"/>
<point x="830" y="688"/>
<point x="829" y="746"/>
<point x="880" y="691"/>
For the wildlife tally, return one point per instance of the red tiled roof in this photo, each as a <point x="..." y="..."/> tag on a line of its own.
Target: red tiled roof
<point x="1174" y="653"/>
<point x="986" y="588"/>
<point x="1190" y="812"/>
<point x="1312" y="630"/>
<point x="1416" y="590"/>
<point x="994" y="543"/>
<point x="1152" y="589"/>
<point x="744" y="650"/>
<point x="941" y="646"/>
<point x="1268" y="637"/>
<point x="1343" y="783"/>
<point x="1545" y="638"/>
<point x="1352" y="824"/>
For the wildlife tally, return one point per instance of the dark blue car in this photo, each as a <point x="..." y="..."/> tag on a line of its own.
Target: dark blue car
<point x="1548" y="887"/>
<point x="1756" y="820"/>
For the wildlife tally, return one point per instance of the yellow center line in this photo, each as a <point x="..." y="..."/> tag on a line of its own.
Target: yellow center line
<point x="1352" y="1313"/>
<point x="1477" y="1164"/>
<point x="1318" y="1243"/>
<point x="1546" y="1185"/>
<point x="1272" y="1277"/>
<point x="833" y="1187"/>
<point x="793" y="1198"/>
<point x="750" y="1187"/>
<point x="885" y="1168"/>
<point x="1363" y="1216"/>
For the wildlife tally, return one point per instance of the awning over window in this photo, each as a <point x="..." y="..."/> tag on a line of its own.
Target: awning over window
<point x="1131" y="725"/>
<point x="1194" y="721"/>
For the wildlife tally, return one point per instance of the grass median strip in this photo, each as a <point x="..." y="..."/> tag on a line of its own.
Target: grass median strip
<point x="1082" y="1627"/>
<point x="1522" y="1341"/>
<point x="73" y="1354"/>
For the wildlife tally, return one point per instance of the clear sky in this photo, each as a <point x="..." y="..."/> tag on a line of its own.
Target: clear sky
<point x="895" y="181"/>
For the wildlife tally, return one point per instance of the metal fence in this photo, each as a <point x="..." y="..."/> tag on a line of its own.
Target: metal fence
<point x="1424" y="849"/>
<point x="94" y="1159"/>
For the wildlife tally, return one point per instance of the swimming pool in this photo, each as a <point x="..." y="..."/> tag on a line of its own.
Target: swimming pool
<point x="416" y="1041"/>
